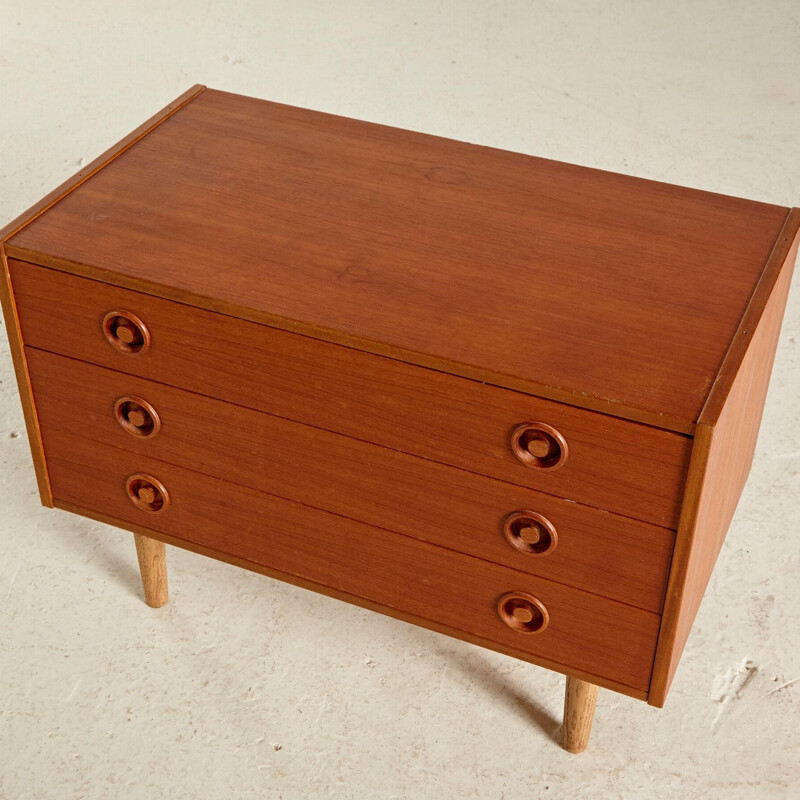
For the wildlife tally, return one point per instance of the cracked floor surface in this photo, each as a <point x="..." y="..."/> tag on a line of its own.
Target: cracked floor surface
<point x="246" y="688"/>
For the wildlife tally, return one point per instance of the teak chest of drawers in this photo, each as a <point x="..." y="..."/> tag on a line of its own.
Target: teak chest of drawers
<point x="508" y="399"/>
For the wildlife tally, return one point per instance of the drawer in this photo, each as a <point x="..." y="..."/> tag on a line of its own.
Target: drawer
<point x="584" y="632"/>
<point x="604" y="553"/>
<point x="613" y="464"/>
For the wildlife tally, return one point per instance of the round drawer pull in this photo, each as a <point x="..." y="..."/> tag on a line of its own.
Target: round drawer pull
<point x="530" y="532"/>
<point x="147" y="493"/>
<point x="522" y="612"/>
<point x="137" y="416"/>
<point x="537" y="444"/>
<point x="126" y="332"/>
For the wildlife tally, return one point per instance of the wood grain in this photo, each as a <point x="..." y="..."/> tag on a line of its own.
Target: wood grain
<point x="16" y="346"/>
<point x="7" y="294"/>
<point x="580" y="698"/>
<point x="587" y="632"/>
<point x="422" y="297"/>
<point x="720" y="464"/>
<point x="362" y="602"/>
<point x="86" y="172"/>
<point x="784" y="253"/>
<point x="620" y="466"/>
<point x="597" y="551"/>
<point x="561" y="281"/>
<point x="152" y="557"/>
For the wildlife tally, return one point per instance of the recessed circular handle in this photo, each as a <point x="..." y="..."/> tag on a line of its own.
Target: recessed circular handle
<point x="537" y="444"/>
<point x="125" y="332"/>
<point x="147" y="493"/>
<point x="530" y="532"/>
<point x="522" y="612"/>
<point x="137" y="417"/>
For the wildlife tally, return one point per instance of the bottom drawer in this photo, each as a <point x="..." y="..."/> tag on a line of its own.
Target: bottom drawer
<point x="448" y="591"/>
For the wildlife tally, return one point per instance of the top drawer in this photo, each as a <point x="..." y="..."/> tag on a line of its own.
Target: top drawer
<point x="592" y="458"/>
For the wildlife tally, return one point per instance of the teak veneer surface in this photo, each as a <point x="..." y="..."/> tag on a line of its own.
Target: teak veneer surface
<point x="14" y="331"/>
<point x="604" y="553"/>
<point x="598" y="289"/>
<point x="586" y="633"/>
<point x="348" y="597"/>
<point x="626" y="467"/>
<point x="718" y="472"/>
<point x="401" y="302"/>
<point x="8" y="300"/>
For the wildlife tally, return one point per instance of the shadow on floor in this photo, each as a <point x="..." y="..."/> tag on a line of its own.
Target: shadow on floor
<point x="94" y="544"/>
<point x="488" y="679"/>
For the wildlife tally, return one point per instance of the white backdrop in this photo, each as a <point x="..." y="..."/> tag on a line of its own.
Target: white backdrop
<point x="245" y="688"/>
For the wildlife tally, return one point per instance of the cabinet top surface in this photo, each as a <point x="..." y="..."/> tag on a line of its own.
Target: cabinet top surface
<point x="595" y="288"/>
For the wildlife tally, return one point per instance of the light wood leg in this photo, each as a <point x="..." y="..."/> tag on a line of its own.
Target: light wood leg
<point x="152" y="556"/>
<point x="579" y="702"/>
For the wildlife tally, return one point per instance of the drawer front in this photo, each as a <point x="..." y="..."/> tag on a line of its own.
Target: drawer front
<point x="581" y="546"/>
<point x="621" y="466"/>
<point x="584" y="632"/>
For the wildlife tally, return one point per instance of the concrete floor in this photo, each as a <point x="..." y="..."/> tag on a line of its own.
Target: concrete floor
<point x="245" y="688"/>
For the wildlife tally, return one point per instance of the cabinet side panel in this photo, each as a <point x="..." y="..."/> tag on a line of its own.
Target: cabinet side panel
<point x="23" y="381"/>
<point x="720" y="466"/>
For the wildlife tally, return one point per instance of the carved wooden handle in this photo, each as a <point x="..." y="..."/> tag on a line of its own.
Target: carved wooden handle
<point x="522" y="612"/>
<point x="530" y="532"/>
<point x="137" y="416"/>
<point x="147" y="493"/>
<point x="537" y="444"/>
<point x="125" y="332"/>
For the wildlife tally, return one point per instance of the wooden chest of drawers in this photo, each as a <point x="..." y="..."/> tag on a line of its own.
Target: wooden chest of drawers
<point x="508" y="399"/>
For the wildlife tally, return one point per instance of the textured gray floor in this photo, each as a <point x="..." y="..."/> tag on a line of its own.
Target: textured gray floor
<point x="246" y="688"/>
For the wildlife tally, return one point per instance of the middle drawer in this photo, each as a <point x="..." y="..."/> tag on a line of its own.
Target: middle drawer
<point x="594" y="550"/>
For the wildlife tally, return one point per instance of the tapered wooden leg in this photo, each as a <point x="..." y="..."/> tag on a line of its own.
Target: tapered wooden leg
<point x="152" y="556"/>
<point x="579" y="702"/>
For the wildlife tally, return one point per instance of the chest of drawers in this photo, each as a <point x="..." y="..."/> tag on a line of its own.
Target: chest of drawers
<point x="508" y="399"/>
